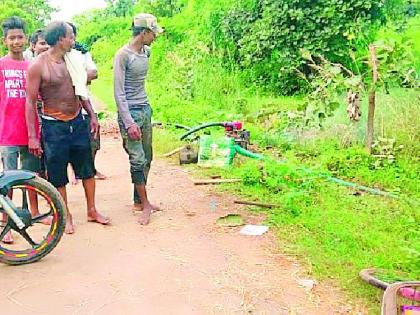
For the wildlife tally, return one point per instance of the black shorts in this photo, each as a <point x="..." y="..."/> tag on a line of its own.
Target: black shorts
<point x="95" y="144"/>
<point x="64" y="143"/>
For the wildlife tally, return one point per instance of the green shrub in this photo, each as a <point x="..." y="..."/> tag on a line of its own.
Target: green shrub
<point x="266" y="36"/>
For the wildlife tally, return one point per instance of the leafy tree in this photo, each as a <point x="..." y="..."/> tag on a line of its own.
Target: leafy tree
<point x="34" y="12"/>
<point x="160" y="8"/>
<point x="266" y="37"/>
<point x="391" y="65"/>
<point x="120" y="7"/>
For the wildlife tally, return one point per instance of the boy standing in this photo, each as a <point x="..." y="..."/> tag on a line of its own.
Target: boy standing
<point x="13" y="130"/>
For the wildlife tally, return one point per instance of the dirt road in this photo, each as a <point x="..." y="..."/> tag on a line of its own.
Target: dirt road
<point x="182" y="263"/>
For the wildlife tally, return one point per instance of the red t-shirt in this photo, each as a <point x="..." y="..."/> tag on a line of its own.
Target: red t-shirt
<point x="13" y="129"/>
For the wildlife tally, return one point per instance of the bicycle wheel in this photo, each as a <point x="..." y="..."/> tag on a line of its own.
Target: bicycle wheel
<point x="38" y="238"/>
<point x="370" y="276"/>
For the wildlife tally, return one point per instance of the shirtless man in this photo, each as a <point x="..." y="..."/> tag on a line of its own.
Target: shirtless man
<point x="65" y="131"/>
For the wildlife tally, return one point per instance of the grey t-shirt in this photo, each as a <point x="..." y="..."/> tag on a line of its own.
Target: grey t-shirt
<point x="130" y="71"/>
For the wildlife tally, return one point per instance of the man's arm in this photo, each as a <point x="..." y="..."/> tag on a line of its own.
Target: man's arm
<point x="91" y="75"/>
<point x="33" y="82"/>
<point x="91" y="69"/>
<point x="121" y="99"/>
<point x="94" y="125"/>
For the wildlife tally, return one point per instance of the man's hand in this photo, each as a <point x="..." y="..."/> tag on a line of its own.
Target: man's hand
<point x="134" y="132"/>
<point x="34" y="147"/>
<point x="94" y="126"/>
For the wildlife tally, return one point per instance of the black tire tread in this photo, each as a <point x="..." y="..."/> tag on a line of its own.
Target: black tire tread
<point x="57" y="199"/>
<point x="368" y="275"/>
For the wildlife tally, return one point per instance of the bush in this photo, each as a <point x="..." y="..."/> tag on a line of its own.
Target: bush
<point x="267" y="36"/>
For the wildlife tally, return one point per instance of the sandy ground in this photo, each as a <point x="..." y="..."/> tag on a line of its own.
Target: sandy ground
<point x="182" y="263"/>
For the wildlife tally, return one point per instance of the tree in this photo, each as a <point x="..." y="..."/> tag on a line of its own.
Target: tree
<point x="391" y="64"/>
<point x="167" y="8"/>
<point x="120" y="7"/>
<point x="35" y="13"/>
<point x="266" y="37"/>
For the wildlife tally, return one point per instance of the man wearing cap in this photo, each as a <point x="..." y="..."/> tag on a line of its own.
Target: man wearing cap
<point x="131" y="64"/>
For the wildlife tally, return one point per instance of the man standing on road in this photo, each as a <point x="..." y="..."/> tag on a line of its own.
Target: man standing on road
<point x="92" y="74"/>
<point x="131" y="64"/>
<point x="38" y="45"/>
<point x="64" y="130"/>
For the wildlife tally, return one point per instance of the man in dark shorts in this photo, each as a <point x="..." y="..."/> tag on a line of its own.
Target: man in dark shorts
<point x="65" y="132"/>
<point x="92" y="74"/>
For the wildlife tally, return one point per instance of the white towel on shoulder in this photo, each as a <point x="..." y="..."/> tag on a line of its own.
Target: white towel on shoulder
<point x="78" y="74"/>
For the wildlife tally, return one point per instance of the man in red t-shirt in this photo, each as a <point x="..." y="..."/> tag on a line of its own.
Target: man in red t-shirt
<point x="13" y="130"/>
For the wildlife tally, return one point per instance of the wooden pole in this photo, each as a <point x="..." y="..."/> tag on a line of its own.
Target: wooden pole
<point x="372" y="98"/>
<point x="173" y="152"/>
<point x="216" y="181"/>
<point x="253" y="203"/>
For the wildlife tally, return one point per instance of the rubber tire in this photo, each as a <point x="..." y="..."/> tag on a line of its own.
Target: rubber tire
<point x="368" y="275"/>
<point x="56" y="198"/>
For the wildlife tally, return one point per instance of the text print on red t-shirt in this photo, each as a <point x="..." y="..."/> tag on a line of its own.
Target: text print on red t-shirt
<point x="14" y="83"/>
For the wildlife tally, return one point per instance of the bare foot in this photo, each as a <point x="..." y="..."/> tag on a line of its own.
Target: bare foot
<point x="145" y="216"/>
<point x="100" y="176"/>
<point x="8" y="238"/>
<point x="155" y="208"/>
<point x="137" y="206"/>
<point x="69" y="225"/>
<point x="46" y="221"/>
<point x="95" y="216"/>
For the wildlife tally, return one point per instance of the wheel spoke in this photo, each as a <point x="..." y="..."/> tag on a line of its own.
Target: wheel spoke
<point x="39" y="218"/>
<point x="24" y="199"/>
<point x="26" y="236"/>
<point x="6" y="229"/>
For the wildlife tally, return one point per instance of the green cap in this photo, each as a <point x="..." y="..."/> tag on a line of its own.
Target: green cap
<point x="147" y="20"/>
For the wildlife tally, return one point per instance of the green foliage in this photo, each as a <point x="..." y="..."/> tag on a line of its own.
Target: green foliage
<point x="34" y="12"/>
<point x="267" y="38"/>
<point x="384" y="151"/>
<point x="355" y="164"/>
<point x="330" y="81"/>
<point x="160" y="8"/>
<point x="119" y="7"/>
<point x="396" y="63"/>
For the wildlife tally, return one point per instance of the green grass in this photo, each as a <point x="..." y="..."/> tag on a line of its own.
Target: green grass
<point x="336" y="231"/>
<point x="103" y="89"/>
